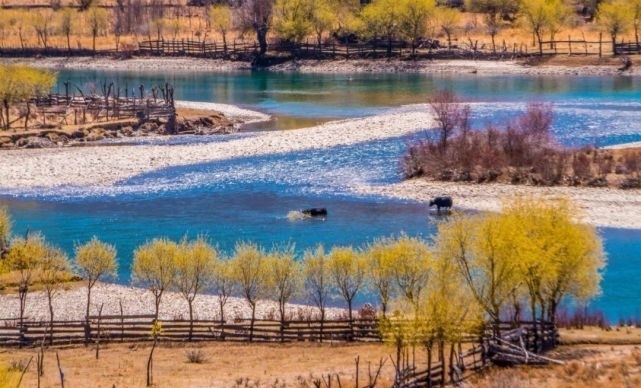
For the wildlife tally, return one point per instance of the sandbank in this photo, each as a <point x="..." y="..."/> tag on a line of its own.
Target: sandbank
<point x="574" y="67"/>
<point x="70" y="304"/>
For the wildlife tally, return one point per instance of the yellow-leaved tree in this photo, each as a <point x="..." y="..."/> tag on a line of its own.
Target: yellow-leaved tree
<point x="221" y="18"/>
<point x="317" y="281"/>
<point x="54" y="269"/>
<point x="482" y="248"/>
<point x="249" y="269"/>
<point x="292" y="19"/>
<point x="94" y="260"/>
<point x="543" y="16"/>
<point x="347" y="269"/>
<point x="20" y="83"/>
<point x="381" y="19"/>
<point x="24" y="258"/>
<point x="154" y="267"/>
<point x="223" y="284"/>
<point x="195" y="262"/>
<point x="558" y="256"/>
<point x="616" y="17"/>
<point x="414" y="17"/>
<point x="380" y="259"/>
<point x="284" y="279"/>
<point x="5" y="229"/>
<point x="411" y="268"/>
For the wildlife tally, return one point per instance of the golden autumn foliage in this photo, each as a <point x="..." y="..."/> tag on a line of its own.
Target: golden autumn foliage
<point x="20" y="83"/>
<point x="5" y="230"/>
<point x="94" y="260"/>
<point x="154" y="267"/>
<point x="347" y="269"/>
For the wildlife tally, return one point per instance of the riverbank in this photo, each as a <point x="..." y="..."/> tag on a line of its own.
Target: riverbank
<point x="559" y="65"/>
<point x="70" y="304"/>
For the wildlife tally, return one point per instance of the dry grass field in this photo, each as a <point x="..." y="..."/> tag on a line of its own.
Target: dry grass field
<point x="594" y="358"/>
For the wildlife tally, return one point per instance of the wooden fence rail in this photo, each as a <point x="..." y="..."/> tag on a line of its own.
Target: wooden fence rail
<point x="138" y="328"/>
<point x="430" y="49"/>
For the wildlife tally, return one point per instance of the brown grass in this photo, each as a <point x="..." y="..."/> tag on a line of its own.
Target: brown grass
<point x="231" y="365"/>
<point x="226" y="365"/>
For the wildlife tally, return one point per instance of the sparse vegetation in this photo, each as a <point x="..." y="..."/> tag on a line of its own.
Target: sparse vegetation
<point x="521" y="151"/>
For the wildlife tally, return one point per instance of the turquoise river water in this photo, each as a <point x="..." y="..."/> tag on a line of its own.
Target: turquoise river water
<point x="248" y="198"/>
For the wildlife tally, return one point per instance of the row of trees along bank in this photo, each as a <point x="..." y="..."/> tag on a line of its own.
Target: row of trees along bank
<point x="121" y="26"/>
<point x="477" y="267"/>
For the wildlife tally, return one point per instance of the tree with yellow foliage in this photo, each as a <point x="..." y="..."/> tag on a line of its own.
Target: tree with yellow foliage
<point x="414" y="16"/>
<point x="317" y="280"/>
<point x="544" y="16"/>
<point x="285" y="278"/>
<point x="347" y="269"/>
<point x="54" y="269"/>
<point x="448" y="20"/>
<point x="223" y="284"/>
<point x="483" y="250"/>
<point x="24" y="258"/>
<point x="448" y="312"/>
<point x="411" y="267"/>
<point x="249" y="269"/>
<point x="98" y="21"/>
<point x="381" y="19"/>
<point x="67" y="25"/>
<point x="323" y="17"/>
<point x="616" y="17"/>
<point x="292" y="19"/>
<point x="558" y="256"/>
<point x="94" y="260"/>
<point x="195" y="262"/>
<point x="154" y="267"/>
<point x="220" y="17"/>
<point x="20" y="83"/>
<point x="5" y="229"/>
<point x="380" y="258"/>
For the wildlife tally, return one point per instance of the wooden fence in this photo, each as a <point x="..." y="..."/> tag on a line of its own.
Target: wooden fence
<point x="423" y="49"/>
<point x="137" y="328"/>
<point x="111" y="106"/>
<point x="506" y="343"/>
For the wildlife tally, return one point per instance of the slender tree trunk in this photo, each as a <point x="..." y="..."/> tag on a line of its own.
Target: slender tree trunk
<point x="88" y="303"/>
<point x="157" y="298"/>
<point x="7" y="123"/>
<point x="253" y="319"/>
<point x="282" y="320"/>
<point x="49" y="298"/>
<point x="150" y="363"/>
<point x="191" y="318"/>
<point x="26" y="117"/>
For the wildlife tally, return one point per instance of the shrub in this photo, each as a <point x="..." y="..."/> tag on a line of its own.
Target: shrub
<point x="195" y="356"/>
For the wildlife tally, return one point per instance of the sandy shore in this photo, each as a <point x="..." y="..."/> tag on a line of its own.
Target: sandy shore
<point x="104" y="166"/>
<point x="589" y="66"/>
<point x="71" y="304"/>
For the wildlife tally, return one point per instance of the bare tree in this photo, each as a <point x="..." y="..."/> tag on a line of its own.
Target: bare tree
<point x="449" y="112"/>
<point x="256" y="15"/>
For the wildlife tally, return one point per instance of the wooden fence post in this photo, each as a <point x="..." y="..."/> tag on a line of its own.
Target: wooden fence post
<point x="600" y="42"/>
